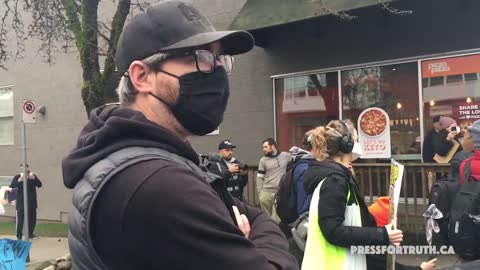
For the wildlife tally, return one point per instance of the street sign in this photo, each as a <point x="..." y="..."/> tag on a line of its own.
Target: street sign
<point x="29" y="111"/>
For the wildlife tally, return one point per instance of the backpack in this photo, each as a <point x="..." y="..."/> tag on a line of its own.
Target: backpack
<point x="286" y="198"/>
<point x="464" y="225"/>
<point x="300" y="231"/>
<point x="442" y="195"/>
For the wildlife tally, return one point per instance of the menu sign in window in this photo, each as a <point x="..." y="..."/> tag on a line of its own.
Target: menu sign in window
<point x="374" y="133"/>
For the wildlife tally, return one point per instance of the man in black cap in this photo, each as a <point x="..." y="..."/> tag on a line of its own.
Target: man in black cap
<point x="140" y="200"/>
<point x="234" y="176"/>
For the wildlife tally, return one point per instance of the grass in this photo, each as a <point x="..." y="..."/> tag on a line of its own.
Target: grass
<point x="42" y="229"/>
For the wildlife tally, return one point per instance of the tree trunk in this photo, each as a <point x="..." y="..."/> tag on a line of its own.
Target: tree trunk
<point x="92" y="95"/>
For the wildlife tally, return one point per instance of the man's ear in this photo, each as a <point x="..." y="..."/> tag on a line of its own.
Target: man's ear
<point x="140" y="76"/>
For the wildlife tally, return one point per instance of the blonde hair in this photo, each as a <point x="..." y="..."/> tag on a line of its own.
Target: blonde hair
<point x="325" y="140"/>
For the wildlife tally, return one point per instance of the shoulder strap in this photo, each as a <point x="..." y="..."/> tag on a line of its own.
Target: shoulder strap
<point x="464" y="170"/>
<point x="118" y="161"/>
<point x="219" y="167"/>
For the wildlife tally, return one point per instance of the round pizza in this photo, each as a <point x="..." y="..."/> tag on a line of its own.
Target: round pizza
<point x="373" y="122"/>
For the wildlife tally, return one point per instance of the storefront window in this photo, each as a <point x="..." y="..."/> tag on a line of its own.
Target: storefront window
<point x="302" y="103"/>
<point x="6" y="116"/>
<point x="393" y="88"/>
<point x="451" y="87"/>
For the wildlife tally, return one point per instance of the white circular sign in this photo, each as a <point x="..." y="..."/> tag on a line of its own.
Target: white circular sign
<point x="29" y="107"/>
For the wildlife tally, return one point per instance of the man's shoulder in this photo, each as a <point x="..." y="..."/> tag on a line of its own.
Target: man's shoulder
<point x="264" y="158"/>
<point x="149" y="178"/>
<point x="149" y="167"/>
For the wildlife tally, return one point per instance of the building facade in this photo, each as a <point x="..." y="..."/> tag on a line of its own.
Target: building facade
<point x="304" y="72"/>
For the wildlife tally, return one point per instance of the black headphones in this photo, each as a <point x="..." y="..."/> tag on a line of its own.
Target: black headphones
<point x="307" y="143"/>
<point x="345" y="142"/>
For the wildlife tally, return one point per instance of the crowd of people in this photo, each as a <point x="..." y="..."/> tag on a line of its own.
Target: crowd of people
<point x="142" y="201"/>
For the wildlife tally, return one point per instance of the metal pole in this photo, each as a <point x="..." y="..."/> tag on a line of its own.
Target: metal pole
<point x="26" y="234"/>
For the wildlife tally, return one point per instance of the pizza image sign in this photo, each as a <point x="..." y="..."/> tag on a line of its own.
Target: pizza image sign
<point x="374" y="133"/>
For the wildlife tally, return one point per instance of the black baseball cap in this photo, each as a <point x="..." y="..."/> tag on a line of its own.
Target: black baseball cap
<point x="173" y="25"/>
<point x="226" y="144"/>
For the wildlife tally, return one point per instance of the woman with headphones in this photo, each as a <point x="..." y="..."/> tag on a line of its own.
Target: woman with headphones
<point x="339" y="217"/>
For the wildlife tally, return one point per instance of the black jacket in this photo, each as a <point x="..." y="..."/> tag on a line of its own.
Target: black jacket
<point x="157" y="214"/>
<point x="235" y="183"/>
<point x="331" y="210"/>
<point x="33" y="184"/>
<point x="436" y="143"/>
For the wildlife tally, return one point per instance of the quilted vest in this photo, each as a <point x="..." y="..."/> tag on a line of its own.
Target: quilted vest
<point x="84" y="256"/>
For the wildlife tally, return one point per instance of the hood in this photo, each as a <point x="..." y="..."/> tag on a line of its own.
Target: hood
<point x="457" y="159"/>
<point x="318" y="171"/>
<point x="112" y="128"/>
<point x="299" y="153"/>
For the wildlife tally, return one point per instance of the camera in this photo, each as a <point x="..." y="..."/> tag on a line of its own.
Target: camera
<point x="455" y="128"/>
<point x="242" y="167"/>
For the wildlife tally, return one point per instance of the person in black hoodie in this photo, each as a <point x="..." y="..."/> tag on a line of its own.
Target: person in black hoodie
<point x="158" y="214"/>
<point x="334" y="192"/>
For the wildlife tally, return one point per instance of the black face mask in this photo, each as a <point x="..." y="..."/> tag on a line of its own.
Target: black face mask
<point x="202" y="100"/>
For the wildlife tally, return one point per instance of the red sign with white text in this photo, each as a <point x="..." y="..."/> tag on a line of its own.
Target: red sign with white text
<point x="451" y="66"/>
<point x="466" y="113"/>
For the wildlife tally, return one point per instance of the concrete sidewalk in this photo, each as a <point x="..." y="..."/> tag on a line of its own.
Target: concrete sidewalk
<point x="50" y="248"/>
<point x="44" y="249"/>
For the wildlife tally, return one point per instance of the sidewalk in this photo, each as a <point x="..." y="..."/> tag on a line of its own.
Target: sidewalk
<point x="44" y="249"/>
<point x="416" y="260"/>
<point x="50" y="248"/>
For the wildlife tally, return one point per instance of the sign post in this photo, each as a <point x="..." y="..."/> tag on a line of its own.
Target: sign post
<point x="396" y="177"/>
<point x="28" y="117"/>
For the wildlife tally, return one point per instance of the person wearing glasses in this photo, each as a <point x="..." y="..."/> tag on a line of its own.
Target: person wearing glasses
<point x="140" y="200"/>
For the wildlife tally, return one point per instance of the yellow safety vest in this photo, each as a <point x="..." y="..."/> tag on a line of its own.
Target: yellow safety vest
<point x="319" y="253"/>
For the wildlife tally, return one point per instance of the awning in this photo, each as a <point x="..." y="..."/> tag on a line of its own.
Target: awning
<point x="259" y="14"/>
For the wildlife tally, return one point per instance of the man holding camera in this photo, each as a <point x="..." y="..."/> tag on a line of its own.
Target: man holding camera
<point x="438" y="144"/>
<point x="32" y="184"/>
<point x="234" y="174"/>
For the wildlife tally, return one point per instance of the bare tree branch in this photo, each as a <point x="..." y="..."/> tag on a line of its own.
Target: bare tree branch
<point x="142" y="6"/>
<point x="71" y="11"/>
<point x="341" y="14"/>
<point x="386" y="6"/>
<point x="123" y="9"/>
<point x="105" y="26"/>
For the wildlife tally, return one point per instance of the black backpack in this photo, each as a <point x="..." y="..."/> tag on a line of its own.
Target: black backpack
<point x="442" y="195"/>
<point x="286" y="198"/>
<point x="464" y="225"/>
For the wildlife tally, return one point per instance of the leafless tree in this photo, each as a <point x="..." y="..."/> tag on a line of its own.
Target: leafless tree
<point x="66" y="25"/>
<point x="345" y="16"/>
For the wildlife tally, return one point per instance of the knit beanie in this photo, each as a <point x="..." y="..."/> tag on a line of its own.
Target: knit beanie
<point x="380" y="211"/>
<point x="445" y="122"/>
<point x="474" y="131"/>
